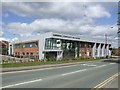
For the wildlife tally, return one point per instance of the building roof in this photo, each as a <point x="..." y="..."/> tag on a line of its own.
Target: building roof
<point x="61" y="36"/>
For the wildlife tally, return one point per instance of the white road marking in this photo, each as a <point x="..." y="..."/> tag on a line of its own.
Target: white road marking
<point x="102" y="84"/>
<point x="112" y="63"/>
<point x="47" y="68"/>
<point x="74" y="72"/>
<point x="22" y="83"/>
<point x="88" y="65"/>
<point x="38" y="69"/>
<point x="42" y="79"/>
<point x="84" y="64"/>
<point x="92" y="65"/>
<point x="100" y="66"/>
<point x="43" y="69"/>
<point x="82" y="70"/>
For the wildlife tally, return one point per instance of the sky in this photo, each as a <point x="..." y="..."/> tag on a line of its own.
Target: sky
<point x="89" y="19"/>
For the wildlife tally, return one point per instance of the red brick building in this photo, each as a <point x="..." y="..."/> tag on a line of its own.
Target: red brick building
<point x="26" y="49"/>
<point x="4" y="47"/>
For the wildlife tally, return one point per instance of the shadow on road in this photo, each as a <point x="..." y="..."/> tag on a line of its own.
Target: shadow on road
<point x="112" y="60"/>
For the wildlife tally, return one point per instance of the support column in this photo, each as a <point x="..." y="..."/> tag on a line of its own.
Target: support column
<point x="107" y="50"/>
<point x="94" y="50"/>
<point x="99" y="49"/>
<point x="103" y="51"/>
<point x="76" y="50"/>
<point x="110" y="51"/>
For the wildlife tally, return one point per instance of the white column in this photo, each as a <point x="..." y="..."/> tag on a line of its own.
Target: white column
<point x="109" y="53"/>
<point x="107" y="50"/>
<point x="103" y="49"/>
<point x="94" y="50"/>
<point x="41" y="45"/>
<point x="76" y="50"/>
<point x="98" y="52"/>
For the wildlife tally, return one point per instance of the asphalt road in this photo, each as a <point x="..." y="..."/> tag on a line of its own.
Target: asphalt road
<point x="86" y="75"/>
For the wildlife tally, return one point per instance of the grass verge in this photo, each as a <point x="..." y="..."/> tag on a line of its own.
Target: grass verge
<point x="42" y="63"/>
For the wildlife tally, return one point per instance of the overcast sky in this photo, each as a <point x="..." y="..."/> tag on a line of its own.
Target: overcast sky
<point x="90" y="19"/>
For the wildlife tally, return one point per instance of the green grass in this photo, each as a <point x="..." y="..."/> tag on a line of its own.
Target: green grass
<point x="42" y="63"/>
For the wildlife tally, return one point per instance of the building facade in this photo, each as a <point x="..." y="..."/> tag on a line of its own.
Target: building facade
<point x="4" y="47"/>
<point x="59" y="46"/>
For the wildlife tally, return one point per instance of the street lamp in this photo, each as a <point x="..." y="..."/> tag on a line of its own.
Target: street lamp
<point x="106" y="41"/>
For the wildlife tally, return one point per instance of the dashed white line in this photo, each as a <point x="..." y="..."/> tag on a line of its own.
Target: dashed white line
<point x="112" y="63"/>
<point x="101" y="66"/>
<point x="74" y="72"/>
<point x="88" y="65"/>
<point x="49" y="68"/>
<point x="81" y="70"/>
<point x="22" y="83"/>
<point x="42" y="79"/>
<point x="92" y="65"/>
<point x="84" y="64"/>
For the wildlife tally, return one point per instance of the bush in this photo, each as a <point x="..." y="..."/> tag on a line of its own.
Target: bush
<point x="51" y="59"/>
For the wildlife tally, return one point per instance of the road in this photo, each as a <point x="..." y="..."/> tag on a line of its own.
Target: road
<point x="86" y="75"/>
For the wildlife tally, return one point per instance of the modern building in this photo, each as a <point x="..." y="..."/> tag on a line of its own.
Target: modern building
<point x="59" y="46"/>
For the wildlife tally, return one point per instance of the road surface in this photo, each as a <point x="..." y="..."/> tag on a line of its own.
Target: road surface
<point x="86" y="75"/>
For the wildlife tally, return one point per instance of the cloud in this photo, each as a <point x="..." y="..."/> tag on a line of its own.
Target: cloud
<point x="74" y="27"/>
<point x="20" y="28"/>
<point x="1" y="30"/>
<point x="14" y="39"/>
<point x="56" y="9"/>
<point x="44" y="25"/>
<point x="1" y="33"/>
<point x="5" y="39"/>
<point x="60" y="25"/>
<point x="64" y="17"/>
<point x="97" y="11"/>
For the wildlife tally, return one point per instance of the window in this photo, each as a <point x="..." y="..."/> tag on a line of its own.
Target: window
<point x="96" y="52"/>
<point x="27" y="54"/>
<point x="30" y="45"/>
<point x="23" y="53"/>
<point x="23" y="46"/>
<point x="31" y="53"/>
<point x="17" y="46"/>
<point x="51" y="43"/>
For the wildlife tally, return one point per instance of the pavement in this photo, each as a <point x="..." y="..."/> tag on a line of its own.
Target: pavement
<point x="80" y="75"/>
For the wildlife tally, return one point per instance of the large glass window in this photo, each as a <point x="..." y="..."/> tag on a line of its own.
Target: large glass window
<point x="17" y="45"/>
<point x="26" y="45"/>
<point x="68" y="47"/>
<point x="52" y="43"/>
<point x="96" y="51"/>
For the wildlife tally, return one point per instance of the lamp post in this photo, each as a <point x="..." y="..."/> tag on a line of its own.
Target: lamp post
<point x="106" y="42"/>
